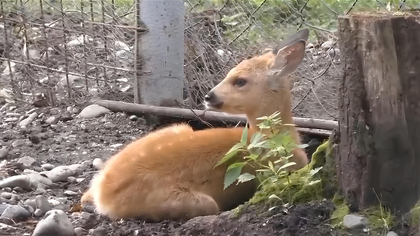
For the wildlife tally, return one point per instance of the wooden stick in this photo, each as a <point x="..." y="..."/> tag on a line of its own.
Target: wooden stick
<point x="306" y="125"/>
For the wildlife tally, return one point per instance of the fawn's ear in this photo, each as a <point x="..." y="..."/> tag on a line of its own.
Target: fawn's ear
<point x="288" y="57"/>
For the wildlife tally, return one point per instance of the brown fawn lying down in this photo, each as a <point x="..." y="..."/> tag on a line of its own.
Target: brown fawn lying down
<point x="170" y="174"/>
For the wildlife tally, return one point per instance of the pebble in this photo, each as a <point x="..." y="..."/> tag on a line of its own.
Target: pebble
<point x="61" y="173"/>
<point x="18" y="189"/>
<point x="7" y="189"/>
<point x="353" y="221"/>
<point x="11" y="119"/>
<point x="12" y="114"/>
<point x="51" y="120"/>
<point x="31" y="203"/>
<point x="26" y="160"/>
<point x="3" y="207"/>
<point x="6" y="195"/>
<point x="29" y="209"/>
<point x="70" y="193"/>
<point x="38" y="213"/>
<point x="391" y="233"/>
<point x="17" y="180"/>
<point x="3" y="153"/>
<point x="28" y="120"/>
<point x="72" y="179"/>
<point x="93" y="110"/>
<point x="55" y="223"/>
<point x="98" y="164"/>
<point x="133" y="118"/>
<point x="18" y="142"/>
<point x="42" y="203"/>
<point x="25" y="182"/>
<point x="47" y="166"/>
<point x="98" y="232"/>
<point x="78" y="231"/>
<point x="327" y="44"/>
<point x="15" y="213"/>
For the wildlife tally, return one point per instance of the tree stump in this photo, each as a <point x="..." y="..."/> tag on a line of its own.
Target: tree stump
<point x="378" y="156"/>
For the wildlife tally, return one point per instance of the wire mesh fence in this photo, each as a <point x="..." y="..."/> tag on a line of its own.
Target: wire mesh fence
<point x="71" y="50"/>
<point x="221" y="33"/>
<point x="66" y="49"/>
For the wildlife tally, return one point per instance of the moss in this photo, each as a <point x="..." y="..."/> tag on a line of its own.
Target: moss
<point x="380" y="218"/>
<point x="415" y="215"/>
<point x="341" y="209"/>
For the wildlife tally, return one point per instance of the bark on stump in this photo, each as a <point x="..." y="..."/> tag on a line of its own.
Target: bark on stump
<point x="379" y="127"/>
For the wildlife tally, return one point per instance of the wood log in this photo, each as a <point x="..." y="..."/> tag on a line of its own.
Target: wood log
<point x="305" y="125"/>
<point x="378" y="156"/>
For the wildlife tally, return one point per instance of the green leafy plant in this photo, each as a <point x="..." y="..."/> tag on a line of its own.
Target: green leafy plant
<point x="268" y="152"/>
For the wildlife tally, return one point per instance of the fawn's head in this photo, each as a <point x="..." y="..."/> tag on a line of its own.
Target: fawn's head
<point x="260" y="86"/>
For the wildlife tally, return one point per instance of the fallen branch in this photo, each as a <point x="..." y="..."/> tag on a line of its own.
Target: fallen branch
<point x="305" y="125"/>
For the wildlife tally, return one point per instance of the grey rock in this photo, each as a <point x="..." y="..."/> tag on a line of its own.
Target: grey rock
<point x="61" y="173"/>
<point x="72" y="179"/>
<point x="327" y="44"/>
<point x="30" y="202"/>
<point x="42" y="203"/>
<point x="47" y="166"/>
<point x="18" y="189"/>
<point x="7" y="189"/>
<point x="15" y="213"/>
<point x="26" y="160"/>
<point x="26" y="182"/>
<point x="70" y="193"/>
<point x="29" y="209"/>
<point x="98" y="232"/>
<point x="18" y="142"/>
<point x="78" y="231"/>
<point x="98" y="164"/>
<point x="3" y="207"/>
<point x="391" y="233"/>
<point x="15" y="197"/>
<point x="93" y="110"/>
<point x="51" y="120"/>
<point x="22" y="181"/>
<point x="55" y="223"/>
<point x="353" y="221"/>
<point x="28" y="120"/>
<point x="6" y="195"/>
<point x="38" y="213"/>
<point x="3" y="153"/>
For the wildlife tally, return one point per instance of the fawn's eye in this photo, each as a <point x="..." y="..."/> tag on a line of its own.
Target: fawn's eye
<point x="239" y="82"/>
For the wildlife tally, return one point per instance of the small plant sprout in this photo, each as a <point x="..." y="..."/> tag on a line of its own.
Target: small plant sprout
<point x="268" y="152"/>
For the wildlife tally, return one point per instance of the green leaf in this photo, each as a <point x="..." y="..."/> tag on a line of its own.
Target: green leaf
<point x="244" y="138"/>
<point x="235" y="165"/>
<point x="252" y="157"/>
<point x="255" y="140"/>
<point x="245" y="177"/>
<point x="314" y="171"/>
<point x="231" y="153"/>
<point x="287" y="165"/>
<point x="314" y="182"/>
<point x="231" y="176"/>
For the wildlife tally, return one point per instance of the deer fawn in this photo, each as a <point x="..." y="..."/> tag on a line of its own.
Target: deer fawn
<point x="170" y="174"/>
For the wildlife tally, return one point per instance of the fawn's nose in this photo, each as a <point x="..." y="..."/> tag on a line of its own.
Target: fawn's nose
<point x="212" y="100"/>
<point x="207" y="98"/>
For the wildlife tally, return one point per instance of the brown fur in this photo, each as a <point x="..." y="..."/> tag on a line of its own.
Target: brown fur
<point x="169" y="173"/>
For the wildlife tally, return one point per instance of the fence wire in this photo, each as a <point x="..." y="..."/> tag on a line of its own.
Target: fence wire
<point x="66" y="50"/>
<point x="70" y="50"/>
